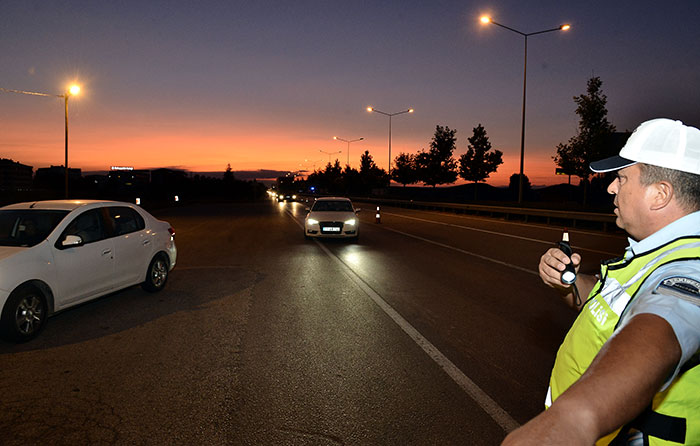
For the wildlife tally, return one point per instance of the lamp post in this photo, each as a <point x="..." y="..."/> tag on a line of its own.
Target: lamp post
<point x="72" y="91"/>
<point x="330" y="153"/>
<point x="372" y="109"/>
<point x="345" y="140"/>
<point x="486" y="20"/>
<point x="313" y="162"/>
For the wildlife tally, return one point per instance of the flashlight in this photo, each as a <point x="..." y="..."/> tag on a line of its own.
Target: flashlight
<point x="568" y="276"/>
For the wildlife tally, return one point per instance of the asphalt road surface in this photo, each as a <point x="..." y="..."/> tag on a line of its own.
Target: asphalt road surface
<point x="432" y="329"/>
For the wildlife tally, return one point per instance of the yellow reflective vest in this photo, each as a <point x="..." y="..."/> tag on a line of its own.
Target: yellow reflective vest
<point x="673" y="417"/>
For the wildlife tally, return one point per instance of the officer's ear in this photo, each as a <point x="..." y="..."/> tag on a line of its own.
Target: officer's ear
<point x="660" y="195"/>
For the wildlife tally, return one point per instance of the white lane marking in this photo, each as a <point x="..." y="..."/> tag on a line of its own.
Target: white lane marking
<point x="515" y="223"/>
<point x="179" y="267"/>
<point x="546" y="242"/>
<point x="478" y="256"/>
<point x="491" y="407"/>
<point x="496" y="412"/>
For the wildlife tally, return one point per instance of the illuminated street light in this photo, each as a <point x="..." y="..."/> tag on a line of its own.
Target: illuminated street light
<point x="487" y="20"/>
<point x="372" y="109"/>
<point x="313" y="163"/>
<point x="72" y="91"/>
<point x="330" y="153"/>
<point x="345" y="140"/>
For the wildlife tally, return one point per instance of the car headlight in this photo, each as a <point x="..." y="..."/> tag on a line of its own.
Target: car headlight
<point x="350" y="222"/>
<point x="294" y="197"/>
<point x="312" y="221"/>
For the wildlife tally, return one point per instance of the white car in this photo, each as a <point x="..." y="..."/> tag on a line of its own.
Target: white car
<point x="56" y="254"/>
<point x="332" y="217"/>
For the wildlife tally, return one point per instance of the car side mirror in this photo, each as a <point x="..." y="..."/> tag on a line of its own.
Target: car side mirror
<point x="358" y="210"/>
<point x="72" y="241"/>
<point x="308" y="209"/>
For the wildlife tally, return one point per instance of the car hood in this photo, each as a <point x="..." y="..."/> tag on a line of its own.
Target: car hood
<point x="18" y="263"/>
<point x="9" y="251"/>
<point x="332" y="216"/>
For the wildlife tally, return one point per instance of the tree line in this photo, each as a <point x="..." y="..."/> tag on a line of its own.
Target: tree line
<point x="436" y="165"/>
<point x="431" y="167"/>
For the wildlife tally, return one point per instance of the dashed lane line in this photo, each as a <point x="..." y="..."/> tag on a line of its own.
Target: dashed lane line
<point x="463" y="251"/>
<point x="502" y="234"/>
<point x="515" y="223"/>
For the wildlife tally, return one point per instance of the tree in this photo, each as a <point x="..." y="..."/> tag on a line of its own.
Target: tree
<point x="229" y="182"/>
<point x="594" y="134"/>
<point x="514" y="185"/>
<point x="404" y="170"/>
<point x="436" y="166"/>
<point x="330" y="180"/>
<point x="228" y="175"/>
<point x="372" y="176"/>
<point x="334" y="177"/>
<point x="478" y="162"/>
<point x="367" y="163"/>
<point x="352" y="181"/>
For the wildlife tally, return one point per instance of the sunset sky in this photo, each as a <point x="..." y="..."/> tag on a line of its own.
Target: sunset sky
<point x="267" y="84"/>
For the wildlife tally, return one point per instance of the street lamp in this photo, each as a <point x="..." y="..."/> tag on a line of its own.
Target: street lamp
<point x="72" y="91"/>
<point x="486" y="20"/>
<point x="330" y="153"/>
<point x="372" y="109"/>
<point x="313" y="162"/>
<point x="345" y="140"/>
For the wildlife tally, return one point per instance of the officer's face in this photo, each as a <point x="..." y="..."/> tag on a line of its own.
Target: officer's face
<point x="630" y="202"/>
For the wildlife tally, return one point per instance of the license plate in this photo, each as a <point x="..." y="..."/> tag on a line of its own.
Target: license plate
<point x="331" y="229"/>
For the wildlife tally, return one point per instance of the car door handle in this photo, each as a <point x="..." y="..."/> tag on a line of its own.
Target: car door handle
<point x="106" y="251"/>
<point x="146" y="242"/>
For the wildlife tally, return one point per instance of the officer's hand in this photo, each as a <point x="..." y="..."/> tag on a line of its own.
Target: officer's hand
<point x="552" y="263"/>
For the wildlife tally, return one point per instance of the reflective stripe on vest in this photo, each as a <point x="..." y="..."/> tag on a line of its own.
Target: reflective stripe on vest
<point x="599" y="318"/>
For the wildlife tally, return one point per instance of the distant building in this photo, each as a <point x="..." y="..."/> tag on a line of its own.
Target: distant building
<point x="54" y="176"/>
<point x="14" y="176"/>
<point x="164" y="177"/>
<point x="96" y="180"/>
<point x="128" y="176"/>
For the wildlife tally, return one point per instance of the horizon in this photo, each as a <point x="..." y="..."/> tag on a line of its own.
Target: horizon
<point x="263" y="175"/>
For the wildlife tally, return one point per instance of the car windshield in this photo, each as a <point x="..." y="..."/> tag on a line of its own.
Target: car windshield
<point x="26" y="227"/>
<point x="332" y="206"/>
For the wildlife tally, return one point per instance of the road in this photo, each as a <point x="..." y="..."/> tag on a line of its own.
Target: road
<point x="433" y="329"/>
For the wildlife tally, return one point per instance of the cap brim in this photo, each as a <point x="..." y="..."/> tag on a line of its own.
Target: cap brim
<point x="609" y="164"/>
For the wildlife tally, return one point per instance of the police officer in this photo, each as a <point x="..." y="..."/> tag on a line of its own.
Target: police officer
<point x="628" y="371"/>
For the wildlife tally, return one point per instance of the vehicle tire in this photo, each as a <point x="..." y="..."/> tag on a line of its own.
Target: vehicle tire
<point x="24" y="314"/>
<point x="157" y="274"/>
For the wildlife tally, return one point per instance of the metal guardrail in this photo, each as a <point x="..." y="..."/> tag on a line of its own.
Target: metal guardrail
<point x="549" y="216"/>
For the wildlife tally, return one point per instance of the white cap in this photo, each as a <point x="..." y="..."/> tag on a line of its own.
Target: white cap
<point x="660" y="142"/>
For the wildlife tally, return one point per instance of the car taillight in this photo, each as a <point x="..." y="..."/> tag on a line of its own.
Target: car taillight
<point x="172" y="232"/>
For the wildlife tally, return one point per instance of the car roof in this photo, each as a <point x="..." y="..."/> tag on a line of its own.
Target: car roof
<point x="332" y="199"/>
<point x="64" y="205"/>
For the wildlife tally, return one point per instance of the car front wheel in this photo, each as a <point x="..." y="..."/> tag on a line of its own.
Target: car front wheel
<point x="157" y="274"/>
<point x="24" y="314"/>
